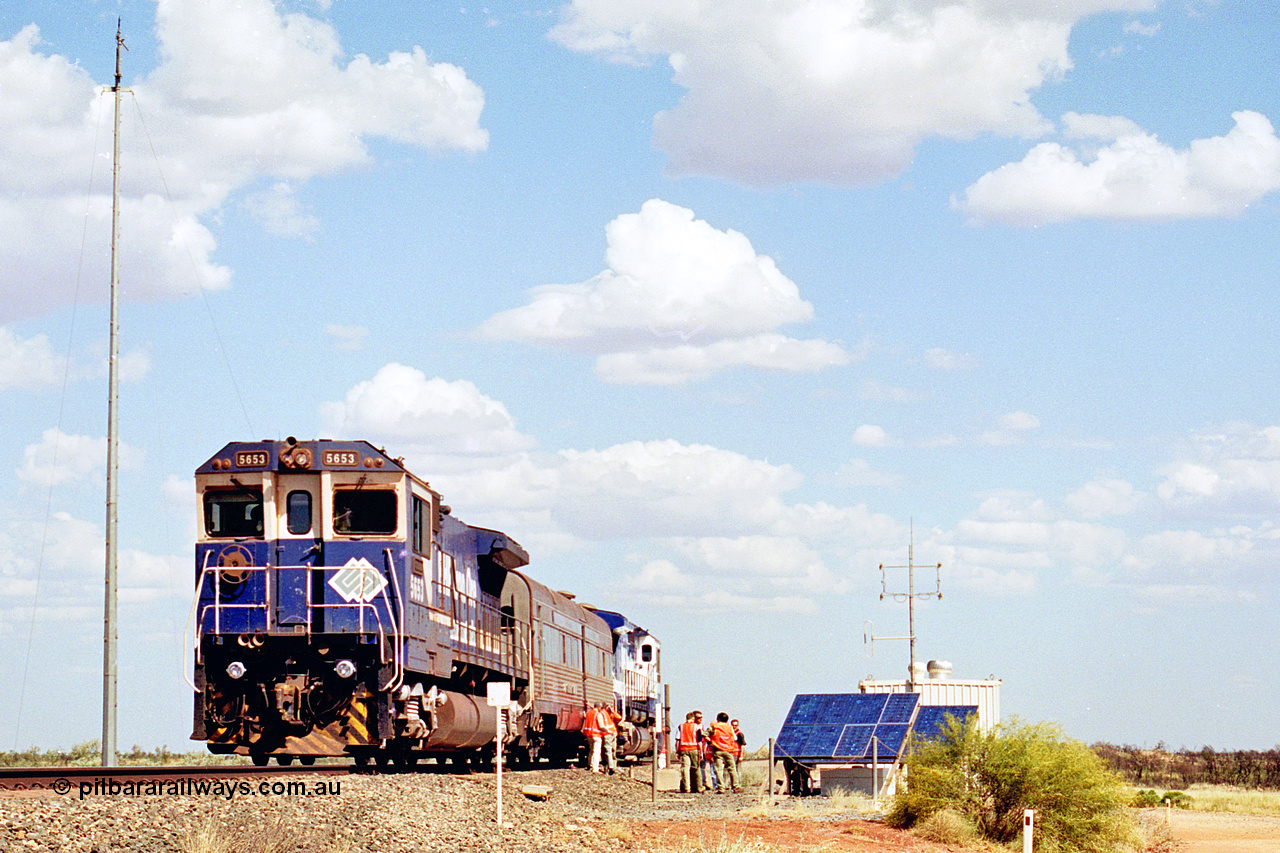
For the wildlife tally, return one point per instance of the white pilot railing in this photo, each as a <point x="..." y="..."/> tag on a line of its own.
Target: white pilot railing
<point x="210" y="581"/>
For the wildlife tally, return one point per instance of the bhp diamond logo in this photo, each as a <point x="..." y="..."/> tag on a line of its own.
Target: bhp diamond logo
<point x="358" y="580"/>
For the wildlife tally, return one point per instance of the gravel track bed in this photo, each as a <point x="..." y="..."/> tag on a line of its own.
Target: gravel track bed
<point x="363" y="814"/>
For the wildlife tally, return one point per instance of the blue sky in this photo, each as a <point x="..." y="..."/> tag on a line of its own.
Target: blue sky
<point x="706" y="304"/>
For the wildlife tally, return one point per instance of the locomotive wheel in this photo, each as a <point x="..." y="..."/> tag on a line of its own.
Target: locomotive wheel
<point x="306" y="760"/>
<point x="260" y="759"/>
<point x="284" y="760"/>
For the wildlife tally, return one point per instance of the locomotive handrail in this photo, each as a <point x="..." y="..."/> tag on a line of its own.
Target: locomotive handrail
<point x="362" y="606"/>
<point x="190" y="631"/>
<point x="217" y="604"/>
<point x="396" y="655"/>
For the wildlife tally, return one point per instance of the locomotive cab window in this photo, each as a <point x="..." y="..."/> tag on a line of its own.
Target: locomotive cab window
<point x="358" y="512"/>
<point x="298" y="512"/>
<point x="233" y="513"/>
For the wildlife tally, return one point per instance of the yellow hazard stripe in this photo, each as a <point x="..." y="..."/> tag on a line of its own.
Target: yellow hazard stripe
<point x="357" y="725"/>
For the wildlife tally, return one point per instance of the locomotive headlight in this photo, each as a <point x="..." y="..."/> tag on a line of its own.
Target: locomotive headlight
<point x="235" y="669"/>
<point x="344" y="668"/>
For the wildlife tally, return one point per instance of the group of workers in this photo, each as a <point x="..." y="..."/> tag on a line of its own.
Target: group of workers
<point x="709" y="757"/>
<point x="600" y="727"/>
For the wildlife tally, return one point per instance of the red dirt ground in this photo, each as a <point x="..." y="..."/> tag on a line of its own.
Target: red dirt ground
<point x="844" y="836"/>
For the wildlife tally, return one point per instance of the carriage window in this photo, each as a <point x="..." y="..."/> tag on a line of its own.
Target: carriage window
<point x="233" y="514"/>
<point x="299" y="512"/>
<point x="362" y="511"/>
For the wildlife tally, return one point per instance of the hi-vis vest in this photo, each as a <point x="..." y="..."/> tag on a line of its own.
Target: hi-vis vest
<point x="591" y="724"/>
<point x="607" y="721"/>
<point x="722" y="738"/>
<point x="688" y="737"/>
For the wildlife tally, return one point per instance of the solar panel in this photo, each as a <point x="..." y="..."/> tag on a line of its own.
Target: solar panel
<point x="840" y="726"/>
<point x="930" y="720"/>
<point x="891" y="738"/>
<point x="791" y="740"/>
<point x="822" y="740"/>
<point x="806" y="709"/>
<point x="855" y="742"/>
<point x="898" y="708"/>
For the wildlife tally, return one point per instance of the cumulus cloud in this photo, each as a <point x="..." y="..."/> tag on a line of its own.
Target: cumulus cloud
<point x="1104" y="496"/>
<point x="27" y="363"/>
<point x="55" y="566"/>
<point x="680" y="300"/>
<point x="279" y="212"/>
<point x="663" y="583"/>
<point x="675" y="365"/>
<point x="695" y="511"/>
<point x="826" y="91"/>
<point x="1237" y="468"/>
<point x="60" y="458"/>
<point x="439" y="421"/>
<point x="665" y="488"/>
<point x="870" y="435"/>
<point x="1115" y="170"/>
<point x="244" y="96"/>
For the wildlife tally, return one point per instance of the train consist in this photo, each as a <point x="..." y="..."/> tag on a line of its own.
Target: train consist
<point x="340" y="609"/>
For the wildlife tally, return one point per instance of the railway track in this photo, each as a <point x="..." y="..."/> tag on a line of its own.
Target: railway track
<point x="62" y="780"/>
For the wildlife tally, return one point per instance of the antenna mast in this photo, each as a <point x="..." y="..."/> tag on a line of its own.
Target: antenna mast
<point x="109" y="632"/>
<point x="910" y="597"/>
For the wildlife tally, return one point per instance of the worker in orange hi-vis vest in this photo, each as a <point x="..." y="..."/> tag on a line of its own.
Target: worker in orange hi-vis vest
<point x="593" y="731"/>
<point x="742" y="745"/>
<point x="689" y="748"/>
<point x="607" y="719"/>
<point x="724" y="744"/>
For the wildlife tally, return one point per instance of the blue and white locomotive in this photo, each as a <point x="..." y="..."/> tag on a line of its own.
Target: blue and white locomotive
<point x="340" y="609"/>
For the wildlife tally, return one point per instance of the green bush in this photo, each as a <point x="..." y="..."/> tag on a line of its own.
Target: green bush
<point x="1145" y="799"/>
<point x="1177" y="799"/>
<point x="991" y="779"/>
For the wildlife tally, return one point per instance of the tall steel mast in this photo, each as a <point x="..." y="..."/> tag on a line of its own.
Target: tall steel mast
<point x="109" y="632"/>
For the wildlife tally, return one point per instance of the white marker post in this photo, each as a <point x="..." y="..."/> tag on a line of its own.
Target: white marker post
<point x="1028" y="827"/>
<point x="499" y="698"/>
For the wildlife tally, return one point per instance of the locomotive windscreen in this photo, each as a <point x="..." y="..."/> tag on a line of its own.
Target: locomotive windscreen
<point x="364" y="511"/>
<point x="235" y="514"/>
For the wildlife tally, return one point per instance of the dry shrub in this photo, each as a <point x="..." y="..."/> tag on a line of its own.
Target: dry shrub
<point x="212" y="836"/>
<point x="619" y="832"/>
<point x="947" y="827"/>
